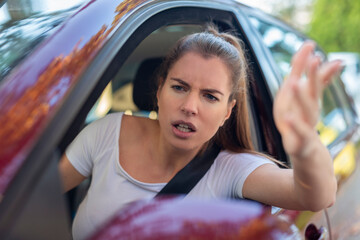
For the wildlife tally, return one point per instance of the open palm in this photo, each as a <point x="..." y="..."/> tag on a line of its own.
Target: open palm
<point x="296" y="106"/>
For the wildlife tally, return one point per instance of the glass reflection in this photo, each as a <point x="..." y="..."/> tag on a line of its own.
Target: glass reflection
<point x="282" y="43"/>
<point x="24" y="24"/>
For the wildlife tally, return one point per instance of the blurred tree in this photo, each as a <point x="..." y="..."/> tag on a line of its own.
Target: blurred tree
<point x="335" y="25"/>
<point x="297" y="13"/>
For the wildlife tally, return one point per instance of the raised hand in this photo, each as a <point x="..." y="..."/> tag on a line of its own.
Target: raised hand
<point x="297" y="104"/>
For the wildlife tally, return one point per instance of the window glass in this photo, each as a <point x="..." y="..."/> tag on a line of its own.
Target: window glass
<point x="283" y="44"/>
<point x="23" y="26"/>
<point x="344" y="101"/>
<point x="332" y="121"/>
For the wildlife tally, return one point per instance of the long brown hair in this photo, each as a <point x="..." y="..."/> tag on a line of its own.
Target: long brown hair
<point x="235" y="134"/>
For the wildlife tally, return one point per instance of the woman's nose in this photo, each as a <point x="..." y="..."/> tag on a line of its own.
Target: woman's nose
<point x="190" y="105"/>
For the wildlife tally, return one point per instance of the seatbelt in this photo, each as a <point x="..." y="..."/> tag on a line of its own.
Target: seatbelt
<point x="190" y="175"/>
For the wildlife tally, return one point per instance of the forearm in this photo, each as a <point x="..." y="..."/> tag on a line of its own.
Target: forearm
<point x="315" y="184"/>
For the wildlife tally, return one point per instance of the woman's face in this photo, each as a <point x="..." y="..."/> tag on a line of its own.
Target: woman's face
<point x="193" y="102"/>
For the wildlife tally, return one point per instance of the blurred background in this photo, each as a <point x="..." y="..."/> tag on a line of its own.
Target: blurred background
<point x="333" y="24"/>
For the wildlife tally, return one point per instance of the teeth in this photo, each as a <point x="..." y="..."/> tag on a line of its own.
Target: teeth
<point x="183" y="128"/>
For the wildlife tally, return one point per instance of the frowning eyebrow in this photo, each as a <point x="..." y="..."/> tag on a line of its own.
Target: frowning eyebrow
<point x="209" y="90"/>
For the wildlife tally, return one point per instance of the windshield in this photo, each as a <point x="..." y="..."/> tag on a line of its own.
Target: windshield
<point x="24" y="24"/>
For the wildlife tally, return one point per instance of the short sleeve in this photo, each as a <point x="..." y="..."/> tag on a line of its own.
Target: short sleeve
<point x="247" y="164"/>
<point x="80" y="151"/>
<point x="93" y="142"/>
<point x="226" y="177"/>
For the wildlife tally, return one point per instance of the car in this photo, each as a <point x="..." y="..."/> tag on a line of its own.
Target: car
<point x="351" y="74"/>
<point x="62" y="70"/>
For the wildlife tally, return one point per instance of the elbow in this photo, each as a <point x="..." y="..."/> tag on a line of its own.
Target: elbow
<point x="332" y="197"/>
<point x="315" y="208"/>
<point x="318" y="206"/>
<point x="332" y="194"/>
<point x="327" y="200"/>
<point x="332" y="203"/>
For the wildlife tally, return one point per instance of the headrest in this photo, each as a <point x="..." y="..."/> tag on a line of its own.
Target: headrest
<point x="144" y="92"/>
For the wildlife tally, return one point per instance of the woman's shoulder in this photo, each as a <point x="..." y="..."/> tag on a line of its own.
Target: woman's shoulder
<point x="134" y="129"/>
<point x="138" y="123"/>
<point x="236" y="167"/>
<point x="109" y="118"/>
<point x="108" y="123"/>
<point x="122" y="119"/>
<point x="226" y="156"/>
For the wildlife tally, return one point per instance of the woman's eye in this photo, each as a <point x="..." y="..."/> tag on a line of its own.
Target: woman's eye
<point x="178" y="88"/>
<point x="211" y="97"/>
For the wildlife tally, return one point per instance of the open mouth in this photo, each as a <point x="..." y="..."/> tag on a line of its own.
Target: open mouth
<point x="184" y="127"/>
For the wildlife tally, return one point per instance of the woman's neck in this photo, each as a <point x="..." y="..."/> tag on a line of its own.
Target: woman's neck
<point x="170" y="157"/>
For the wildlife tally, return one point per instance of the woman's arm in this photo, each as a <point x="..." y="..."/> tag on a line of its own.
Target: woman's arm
<point x="69" y="175"/>
<point x="311" y="184"/>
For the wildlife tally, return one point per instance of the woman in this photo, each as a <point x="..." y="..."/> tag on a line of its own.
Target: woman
<point x="201" y="99"/>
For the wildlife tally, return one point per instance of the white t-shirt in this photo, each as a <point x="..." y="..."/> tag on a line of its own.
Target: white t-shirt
<point x="95" y="152"/>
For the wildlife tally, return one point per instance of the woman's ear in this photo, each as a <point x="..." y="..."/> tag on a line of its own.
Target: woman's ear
<point x="230" y="107"/>
<point x="229" y="111"/>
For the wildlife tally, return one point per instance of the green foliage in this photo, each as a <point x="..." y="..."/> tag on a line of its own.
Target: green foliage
<point x="336" y="25"/>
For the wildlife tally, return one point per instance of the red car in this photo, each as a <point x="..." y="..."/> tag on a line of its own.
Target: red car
<point x="60" y="70"/>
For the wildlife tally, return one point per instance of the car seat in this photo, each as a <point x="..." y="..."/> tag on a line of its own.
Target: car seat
<point x="145" y="84"/>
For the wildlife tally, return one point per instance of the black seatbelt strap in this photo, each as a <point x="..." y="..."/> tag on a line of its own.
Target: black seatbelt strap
<point x="190" y="175"/>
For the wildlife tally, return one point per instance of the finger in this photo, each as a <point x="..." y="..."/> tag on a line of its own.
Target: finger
<point x="313" y="81"/>
<point x="300" y="59"/>
<point x="328" y="71"/>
